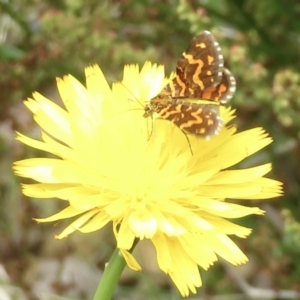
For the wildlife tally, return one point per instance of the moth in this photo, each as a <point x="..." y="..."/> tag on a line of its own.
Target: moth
<point x="191" y="100"/>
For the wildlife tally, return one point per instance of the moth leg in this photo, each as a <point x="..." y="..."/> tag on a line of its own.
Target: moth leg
<point x="151" y="132"/>
<point x="188" y="140"/>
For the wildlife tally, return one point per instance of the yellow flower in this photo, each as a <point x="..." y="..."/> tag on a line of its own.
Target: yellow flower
<point x="115" y="166"/>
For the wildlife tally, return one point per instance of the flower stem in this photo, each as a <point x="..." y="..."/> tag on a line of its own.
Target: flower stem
<point x="110" y="276"/>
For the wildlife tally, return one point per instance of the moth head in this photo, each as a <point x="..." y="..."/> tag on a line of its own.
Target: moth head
<point x="148" y="111"/>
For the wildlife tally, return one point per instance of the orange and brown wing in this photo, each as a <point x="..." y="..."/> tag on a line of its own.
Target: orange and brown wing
<point x="223" y="92"/>
<point x="200" y="119"/>
<point x="200" y="67"/>
<point x="200" y="72"/>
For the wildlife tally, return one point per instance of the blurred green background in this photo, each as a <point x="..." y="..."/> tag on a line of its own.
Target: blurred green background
<point x="40" y="40"/>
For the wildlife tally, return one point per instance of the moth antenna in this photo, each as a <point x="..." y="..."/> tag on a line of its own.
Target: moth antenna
<point x="136" y="99"/>
<point x="130" y="92"/>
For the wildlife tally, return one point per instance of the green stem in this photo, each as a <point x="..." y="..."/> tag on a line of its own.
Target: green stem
<point x="111" y="275"/>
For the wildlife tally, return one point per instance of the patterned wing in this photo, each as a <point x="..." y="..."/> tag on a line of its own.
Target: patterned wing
<point x="200" y="67"/>
<point x="223" y="92"/>
<point x="200" y="119"/>
<point x="200" y="72"/>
